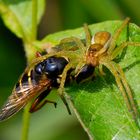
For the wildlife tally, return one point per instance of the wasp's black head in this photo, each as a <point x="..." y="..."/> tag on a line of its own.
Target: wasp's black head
<point x="52" y="66"/>
<point x="39" y="68"/>
<point x="86" y="72"/>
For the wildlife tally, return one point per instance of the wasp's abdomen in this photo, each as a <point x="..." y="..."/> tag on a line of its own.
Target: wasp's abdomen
<point x="86" y="72"/>
<point x="26" y="81"/>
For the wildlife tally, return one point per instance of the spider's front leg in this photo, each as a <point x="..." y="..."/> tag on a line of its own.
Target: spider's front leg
<point x="88" y="35"/>
<point x="62" y="83"/>
<point x="116" y="36"/>
<point x="101" y="70"/>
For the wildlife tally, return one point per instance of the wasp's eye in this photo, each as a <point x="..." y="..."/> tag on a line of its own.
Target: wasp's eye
<point x="86" y="71"/>
<point x="55" y="65"/>
<point x="50" y="65"/>
<point x="39" y="68"/>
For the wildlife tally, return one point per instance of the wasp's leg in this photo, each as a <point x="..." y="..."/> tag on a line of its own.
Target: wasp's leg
<point x="62" y="83"/>
<point x="118" y="50"/>
<point x="38" y="54"/>
<point x="88" y="35"/>
<point x="78" y="42"/>
<point x="116" y="35"/>
<point x="37" y="103"/>
<point x="122" y="89"/>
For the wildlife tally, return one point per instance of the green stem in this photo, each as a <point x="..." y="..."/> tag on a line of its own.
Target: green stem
<point x="26" y="121"/>
<point x="26" y="114"/>
<point x="34" y="19"/>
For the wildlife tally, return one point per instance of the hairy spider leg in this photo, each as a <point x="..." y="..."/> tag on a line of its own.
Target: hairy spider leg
<point x="114" y="54"/>
<point x="62" y="83"/>
<point x="43" y="57"/>
<point x="127" y="88"/>
<point x="116" y="35"/>
<point x="81" y="46"/>
<point x="88" y="43"/>
<point x="88" y="35"/>
<point x="101" y="70"/>
<point x="119" y="83"/>
<point x="118" y="50"/>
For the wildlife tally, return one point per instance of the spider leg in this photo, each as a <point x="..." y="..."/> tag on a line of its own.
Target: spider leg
<point x="122" y="87"/>
<point x="38" y="104"/>
<point x="79" y="43"/>
<point x="61" y="87"/>
<point x="101" y="70"/>
<point x="127" y="88"/>
<point x="116" y="35"/>
<point x="118" y="50"/>
<point x="88" y="35"/>
<point x="78" y="67"/>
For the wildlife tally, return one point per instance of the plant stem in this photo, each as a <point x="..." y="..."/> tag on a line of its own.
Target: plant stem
<point x="26" y="120"/>
<point x="34" y="19"/>
<point x="26" y="114"/>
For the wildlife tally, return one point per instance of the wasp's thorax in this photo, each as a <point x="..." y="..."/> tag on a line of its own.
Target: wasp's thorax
<point x="52" y="66"/>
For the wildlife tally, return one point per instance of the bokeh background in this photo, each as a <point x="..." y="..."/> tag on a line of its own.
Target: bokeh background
<point x="50" y="123"/>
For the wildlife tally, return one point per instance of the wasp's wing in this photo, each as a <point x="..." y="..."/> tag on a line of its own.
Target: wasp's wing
<point x="21" y="95"/>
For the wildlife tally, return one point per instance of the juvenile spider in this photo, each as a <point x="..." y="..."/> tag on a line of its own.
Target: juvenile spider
<point x="100" y="50"/>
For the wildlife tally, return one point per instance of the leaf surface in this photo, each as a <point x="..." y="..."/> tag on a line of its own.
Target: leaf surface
<point x="17" y="14"/>
<point x="99" y="103"/>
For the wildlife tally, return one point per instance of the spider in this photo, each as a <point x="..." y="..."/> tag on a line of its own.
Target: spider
<point x="98" y="51"/>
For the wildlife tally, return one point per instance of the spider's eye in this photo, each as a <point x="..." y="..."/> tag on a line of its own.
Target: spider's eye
<point x="86" y="71"/>
<point x="54" y="65"/>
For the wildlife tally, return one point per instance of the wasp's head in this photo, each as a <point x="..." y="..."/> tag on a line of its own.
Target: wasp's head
<point x="52" y="66"/>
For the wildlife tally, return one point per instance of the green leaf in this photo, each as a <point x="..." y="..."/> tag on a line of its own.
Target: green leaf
<point x="17" y="15"/>
<point x="99" y="103"/>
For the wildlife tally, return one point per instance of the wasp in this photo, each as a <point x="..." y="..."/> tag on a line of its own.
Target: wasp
<point x="71" y="59"/>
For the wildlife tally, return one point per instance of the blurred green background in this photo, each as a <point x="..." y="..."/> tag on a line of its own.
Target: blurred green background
<point x="50" y="123"/>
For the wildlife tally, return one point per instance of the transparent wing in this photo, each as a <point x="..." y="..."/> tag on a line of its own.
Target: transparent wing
<point x="21" y="96"/>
